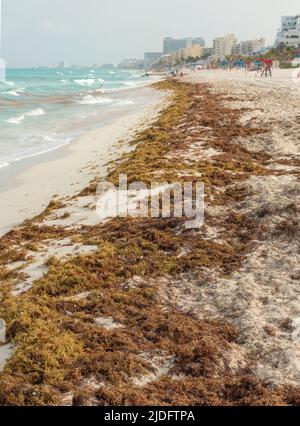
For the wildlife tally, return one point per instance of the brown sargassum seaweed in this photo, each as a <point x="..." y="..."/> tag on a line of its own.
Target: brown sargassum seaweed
<point x="60" y="351"/>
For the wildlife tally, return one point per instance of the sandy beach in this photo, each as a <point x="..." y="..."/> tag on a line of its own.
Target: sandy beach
<point x="264" y="294"/>
<point x="142" y="310"/>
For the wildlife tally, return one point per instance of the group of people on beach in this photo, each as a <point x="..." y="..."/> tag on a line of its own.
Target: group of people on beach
<point x="263" y="65"/>
<point x="176" y="73"/>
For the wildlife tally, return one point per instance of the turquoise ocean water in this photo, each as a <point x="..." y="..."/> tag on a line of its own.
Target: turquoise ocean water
<point x="44" y="109"/>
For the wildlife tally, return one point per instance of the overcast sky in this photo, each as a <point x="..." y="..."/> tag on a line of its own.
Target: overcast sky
<point x="44" y="32"/>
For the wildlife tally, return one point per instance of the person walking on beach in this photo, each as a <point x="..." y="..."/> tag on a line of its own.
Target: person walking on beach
<point x="267" y="69"/>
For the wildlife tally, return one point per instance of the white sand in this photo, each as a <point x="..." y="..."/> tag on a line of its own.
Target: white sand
<point x="281" y="78"/>
<point x="108" y="323"/>
<point x="262" y="299"/>
<point x="161" y="363"/>
<point x="6" y="352"/>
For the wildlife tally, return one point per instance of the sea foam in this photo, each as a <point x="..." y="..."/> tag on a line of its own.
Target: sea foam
<point x="35" y="112"/>
<point x="85" y="81"/>
<point x="19" y="119"/>
<point x="91" y="100"/>
<point x="16" y="120"/>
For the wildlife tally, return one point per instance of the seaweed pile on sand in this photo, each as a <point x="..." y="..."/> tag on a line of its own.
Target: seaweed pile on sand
<point x="101" y="319"/>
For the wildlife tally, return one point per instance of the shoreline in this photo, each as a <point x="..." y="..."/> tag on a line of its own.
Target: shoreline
<point x="103" y="116"/>
<point x="74" y="162"/>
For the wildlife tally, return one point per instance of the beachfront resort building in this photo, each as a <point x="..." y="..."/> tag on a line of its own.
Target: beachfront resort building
<point x="171" y="45"/>
<point x="182" y="55"/>
<point x="223" y="46"/>
<point x="208" y="52"/>
<point x="199" y="41"/>
<point x="289" y="35"/>
<point x="152" y="58"/>
<point x="249" y="47"/>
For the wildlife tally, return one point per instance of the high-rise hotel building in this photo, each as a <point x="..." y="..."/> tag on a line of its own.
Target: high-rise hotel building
<point x="223" y="46"/>
<point x="171" y="45"/>
<point x="289" y="35"/>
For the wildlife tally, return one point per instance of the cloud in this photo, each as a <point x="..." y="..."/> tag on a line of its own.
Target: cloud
<point x="97" y="31"/>
<point x="55" y="27"/>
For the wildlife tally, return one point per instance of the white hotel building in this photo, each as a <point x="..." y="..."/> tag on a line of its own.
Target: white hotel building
<point x="289" y="35"/>
<point x="223" y="46"/>
<point x="249" y="47"/>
